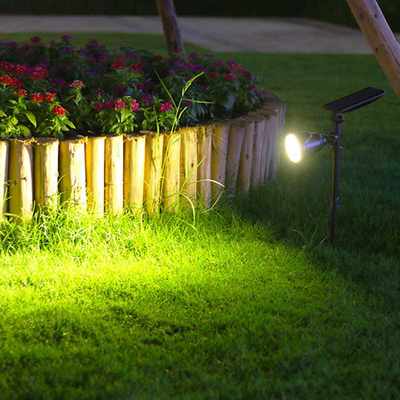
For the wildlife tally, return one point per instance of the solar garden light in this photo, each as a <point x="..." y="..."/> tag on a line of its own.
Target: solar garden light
<point x="298" y="146"/>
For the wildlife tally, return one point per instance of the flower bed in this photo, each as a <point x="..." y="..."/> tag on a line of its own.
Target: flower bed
<point x="112" y="129"/>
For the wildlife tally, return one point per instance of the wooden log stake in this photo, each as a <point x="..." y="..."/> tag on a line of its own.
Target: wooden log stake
<point x="114" y="174"/>
<point x="246" y="159"/>
<point x="166" y="9"/>
<point x="21" y="179"/>
<point x="95" y="174"/>
<point x="270" y="132"/>
<point x="171" y="171"/>
<point x="236" y="137"/>
<point x="72" y="172"/>
<point x="258" y="154"/>
<point x="46" y="173"/>
<point x="153" y="172"/>
<point x="380" y="37"/>
<point x="134" y="166"/>
<point x="204" y="146"/>
<point x="220" y="138"/>
<point x="189" y="163"/>
<point x="4" y="158"/>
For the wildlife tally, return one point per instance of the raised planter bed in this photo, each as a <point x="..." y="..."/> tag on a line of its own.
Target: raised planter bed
<point x="148" y="171"/>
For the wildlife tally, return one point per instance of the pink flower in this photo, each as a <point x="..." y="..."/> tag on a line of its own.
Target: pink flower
<point x="38" y="73"/>
<point x="35" y="39"/>
<point x="147" y="99"/>
<point x="20" y="69"/>
<point x="119" y="104"/>
<point x="166" y="106"/>
<point x="135" y="105"/>
<point x="77" y="84"/>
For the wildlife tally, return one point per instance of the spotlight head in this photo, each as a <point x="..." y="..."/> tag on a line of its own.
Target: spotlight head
<point x="297" y="145"/>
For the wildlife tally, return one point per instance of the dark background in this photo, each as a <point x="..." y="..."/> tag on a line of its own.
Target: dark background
<point x="335" y="11"/>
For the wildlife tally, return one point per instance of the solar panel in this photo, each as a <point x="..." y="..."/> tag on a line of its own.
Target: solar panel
<point x="355" y="100"/>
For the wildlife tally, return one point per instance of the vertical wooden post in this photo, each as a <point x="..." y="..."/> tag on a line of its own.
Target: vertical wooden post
<point x="153" y="172"/>
<point x="236" y="137"/>
<point x="46" y="173"/>
<point x="4" y="158"/>
<point x="134" y="166"/>
<point x="95" y="174"/>
<point x="21" y="179"/>
<point x="114" y="174"/>
<point x="380" y="37"/>
<point x="204" y="145"/>
<point x="258" y="155"/>
<point x="189" y="162"/>
<point x="220" y="138"/>
<point x="171" y="175"/>
<point x="246" y="159"/>
<point x="73" y="172"/>
<point x="166" y="9"/>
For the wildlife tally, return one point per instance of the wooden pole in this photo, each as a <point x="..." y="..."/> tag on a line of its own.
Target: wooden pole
<point x="72" y="172"/>
<point x="46" y="173"/>
<point x="246" y="159"/>
<point x="258" y="156"/>
<point x="153" y="172"/>
<point x="21" y="179"/>
<point x="114" y="174"/>
<point x="134" y="166"/>
<point x="204" y="146"/>
<point x="4" y="157"/>
<point x="95" y="174"/>
<point x="189" y="162"/>
<point x="380" y="37"/>
<point x="236" y="137"/>
<point x="166" y="9"/>
<point x="220" y="138"/>
<point x="171" y="175"/>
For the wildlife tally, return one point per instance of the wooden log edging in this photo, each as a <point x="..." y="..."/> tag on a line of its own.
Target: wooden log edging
<point x="148" y="171"/>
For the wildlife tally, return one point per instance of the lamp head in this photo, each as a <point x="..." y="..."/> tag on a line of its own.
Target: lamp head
<point x="298" y="145"/>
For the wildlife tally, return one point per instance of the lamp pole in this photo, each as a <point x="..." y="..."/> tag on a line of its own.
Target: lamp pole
<point x="335" y="195"/>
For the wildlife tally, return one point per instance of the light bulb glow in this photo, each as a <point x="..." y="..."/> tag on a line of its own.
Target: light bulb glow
<point x="293" y="148"/>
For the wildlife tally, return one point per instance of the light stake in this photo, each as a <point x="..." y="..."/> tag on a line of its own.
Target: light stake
<point x="299" y="145"/>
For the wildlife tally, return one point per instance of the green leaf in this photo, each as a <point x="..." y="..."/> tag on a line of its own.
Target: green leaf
<point x="25" y="131"/>
<point x="31" y="117"/>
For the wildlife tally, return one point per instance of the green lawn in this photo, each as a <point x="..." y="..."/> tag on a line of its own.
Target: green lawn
<point x="245" y="302"/>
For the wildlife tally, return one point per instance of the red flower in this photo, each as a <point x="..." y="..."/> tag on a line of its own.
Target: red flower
<point x="35" y="39"/>
<point x="21" y="92"/>
<point x="7" y="80"/>
<point x="135" y="105"/>
<point x="229" y="77"/>
<point x="166" y="106"/>
<point x="213" y="75"/>
<point x="98" y="107"/>
<point x="38" y="97"/>
<point x="138" y="67"/>
<point x="77" y="84"/>
<point x="118" y="64"/>
<point x="58" y="110"/>
<point x="50" y="96"/>
<point x="6" y="66"/>
<point x="119" y="104"/>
